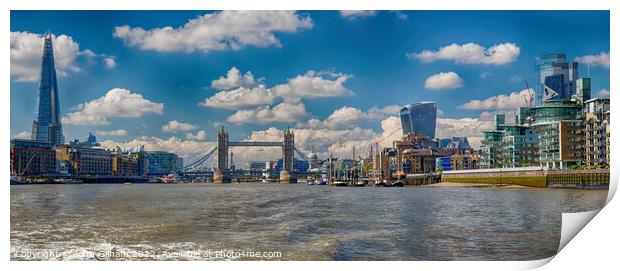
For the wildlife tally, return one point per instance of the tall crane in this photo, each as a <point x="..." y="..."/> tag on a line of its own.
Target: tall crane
<point x="385" y="137"/>
<point x="529" y="98"/>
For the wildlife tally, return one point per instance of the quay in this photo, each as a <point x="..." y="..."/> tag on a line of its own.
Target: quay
<point x="531" y="177"/>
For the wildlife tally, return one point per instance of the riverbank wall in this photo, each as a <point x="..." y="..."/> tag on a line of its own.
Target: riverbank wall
<point x="422" y="179"/>
<point x="531" y="177"/>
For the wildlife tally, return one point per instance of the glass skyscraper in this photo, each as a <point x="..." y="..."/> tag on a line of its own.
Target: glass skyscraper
<point x="558" y="75"/>
<point x="46" y="126"/>
<point x="420" y="118"/>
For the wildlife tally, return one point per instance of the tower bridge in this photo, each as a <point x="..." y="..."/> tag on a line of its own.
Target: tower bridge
<point x="222" y="172"/>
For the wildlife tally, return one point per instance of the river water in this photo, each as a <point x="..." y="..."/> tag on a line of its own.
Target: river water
<point x="288" y="222"/>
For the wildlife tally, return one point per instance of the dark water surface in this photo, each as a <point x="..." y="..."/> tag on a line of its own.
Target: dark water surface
<point x="151" y="221"/>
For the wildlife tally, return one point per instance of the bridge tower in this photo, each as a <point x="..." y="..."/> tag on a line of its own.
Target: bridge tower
<point x="287" y="175"/>
<point x="221" y="171"/>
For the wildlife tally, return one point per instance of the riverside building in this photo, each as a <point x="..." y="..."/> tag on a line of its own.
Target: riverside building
<point x="596" y="132"/>
<point x="557" y="77"/>
<point x="161" y="162"/>
<point x="124" y="165"/>
<point x="509" y="145"/>
<point x="32" y="158"/>
<point x="90" y="161"/>
<point x="559" y="129"/>
<point x="420" y="118"/>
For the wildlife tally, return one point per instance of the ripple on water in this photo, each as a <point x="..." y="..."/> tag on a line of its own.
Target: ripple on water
<point x="174" y="222"/>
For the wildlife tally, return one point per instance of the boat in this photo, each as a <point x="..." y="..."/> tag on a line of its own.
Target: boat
<point x="170" y="178"/>
<point x="304" y="181"/>
<point x="340" y="183"/>
<point x="321" y="182"/>
<point x="381" y="183"/>
<point x="398" y="183"/>
<point x="15" y="179"/>
<point x="360" y="183"/>
<point x="66" y="181"/>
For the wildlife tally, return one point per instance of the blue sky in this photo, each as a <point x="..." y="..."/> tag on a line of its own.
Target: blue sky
<point x="361" y="60"/>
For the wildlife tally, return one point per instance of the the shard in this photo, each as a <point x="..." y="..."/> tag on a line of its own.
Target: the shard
<point x="46" y="126"/>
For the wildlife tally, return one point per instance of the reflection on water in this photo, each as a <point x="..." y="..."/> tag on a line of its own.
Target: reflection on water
<point x="301" y="222"/>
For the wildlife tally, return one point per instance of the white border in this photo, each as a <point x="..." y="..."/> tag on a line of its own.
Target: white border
<point x="596" y="247"/>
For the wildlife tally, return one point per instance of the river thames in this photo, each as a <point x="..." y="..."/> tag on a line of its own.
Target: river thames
<point x="288" y="222"/>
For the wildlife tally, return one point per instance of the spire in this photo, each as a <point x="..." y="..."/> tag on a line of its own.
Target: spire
<point x="46" y="126"/>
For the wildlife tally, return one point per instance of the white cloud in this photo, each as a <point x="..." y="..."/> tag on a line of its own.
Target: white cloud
<point x="240" y="98"/>
<point x="400" y="15"/>
<point x="391" y="109"/>
<point x="26" y="54"/>
<point x="190" y="150"/>
<point x="349" y="117"/>
<point x="485" y="75"/>
<point x="234" y="79"/>
<point x="27" y="49"/>
<point x="471" y="53"/>
<point x="174" y="126"/>
<point x="511" y="101"/>
<point x="282" y="112"/>
<point x="603" y="93"/>
<point x="200" y="135"/>
<point x="22" y="135"/>
<point x="119" y="132"/>
<point x="389" y="125"/>
<point x="516" y="78"/>
<point x="355" y="14"/>
<point x="439" y="112"/>
<point x="602" y="59"/>
<point x="110" y="62"/>
<point x="472" y="128"/>
<point x="443" y="80"/>
<point x="310" y="85"/>
<point x="117" y="102"/>
<point x="217" y="31"/>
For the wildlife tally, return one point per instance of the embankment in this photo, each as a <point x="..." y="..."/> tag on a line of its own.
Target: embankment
<point x="531" y="177"/>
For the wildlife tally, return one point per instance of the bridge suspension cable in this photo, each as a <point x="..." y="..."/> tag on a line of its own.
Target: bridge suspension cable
<point x="301" y="154"/>
<point x="200" y="161"/>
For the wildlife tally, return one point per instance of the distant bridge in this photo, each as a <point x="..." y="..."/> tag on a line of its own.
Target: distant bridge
<point x="222" y="166"/>
<point x="254" y="144"/>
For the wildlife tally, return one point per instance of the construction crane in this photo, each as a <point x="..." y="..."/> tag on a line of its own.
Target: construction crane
<point x="385" y="137"/>
<point x="27" y="165"/>
<point x="530" y="96"/>
<point x="376" y="143"/>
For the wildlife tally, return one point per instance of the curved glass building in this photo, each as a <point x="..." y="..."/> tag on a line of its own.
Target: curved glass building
<point x="420" y="118"/>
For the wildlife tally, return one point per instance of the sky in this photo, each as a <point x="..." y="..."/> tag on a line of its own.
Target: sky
<point x="168" y="80"/>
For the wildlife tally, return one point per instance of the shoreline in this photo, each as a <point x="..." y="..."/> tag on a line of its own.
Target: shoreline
<point x="477" y="185"/>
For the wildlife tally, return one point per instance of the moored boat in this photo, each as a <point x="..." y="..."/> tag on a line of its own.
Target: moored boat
<point x="15" y="179"/>
<point x="170" y="178"/>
